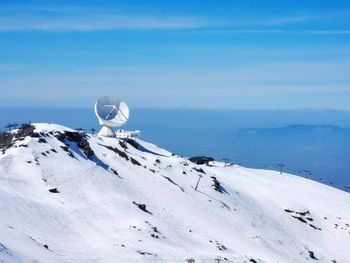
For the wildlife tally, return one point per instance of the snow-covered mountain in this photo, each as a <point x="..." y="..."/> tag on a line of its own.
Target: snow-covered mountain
<point x="71" y="197"/>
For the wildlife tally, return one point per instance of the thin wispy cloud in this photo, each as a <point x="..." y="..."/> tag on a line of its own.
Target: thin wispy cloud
<point x="267" y="31"/>
<point x="287" y="20"/>
<point x="88" y="19"/>
<point x="75" y="18"/>
<point x="342" y="15"/>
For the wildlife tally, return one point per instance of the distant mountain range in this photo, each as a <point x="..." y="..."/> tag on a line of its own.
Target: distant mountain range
<point x="299" y="130"/>
<point x="322" y="149"/>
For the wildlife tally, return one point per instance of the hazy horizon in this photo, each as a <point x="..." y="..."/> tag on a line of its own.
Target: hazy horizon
<point x="23" y="106"/>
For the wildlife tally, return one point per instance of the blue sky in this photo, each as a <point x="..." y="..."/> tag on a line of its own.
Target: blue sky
<point x="176" y="54"/>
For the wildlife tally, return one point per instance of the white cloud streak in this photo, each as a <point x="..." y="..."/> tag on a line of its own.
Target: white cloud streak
<point x="269" y="31"/>
<point x="288" y="20"/>
<point x="82" y="19"/>
<point x="342" y="15"/>
<point x="88" y="19"/>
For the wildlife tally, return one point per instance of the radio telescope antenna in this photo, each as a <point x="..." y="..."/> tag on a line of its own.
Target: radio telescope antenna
<point x="111" y="113"/>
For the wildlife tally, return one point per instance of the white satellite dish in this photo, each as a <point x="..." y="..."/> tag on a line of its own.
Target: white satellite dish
<point x="111" y="113"/>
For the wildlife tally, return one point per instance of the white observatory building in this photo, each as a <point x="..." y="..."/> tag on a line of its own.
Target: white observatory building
<point x="113" y="113"/>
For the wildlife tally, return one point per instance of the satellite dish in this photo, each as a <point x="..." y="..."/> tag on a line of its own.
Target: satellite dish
<point x="111" y="112"/>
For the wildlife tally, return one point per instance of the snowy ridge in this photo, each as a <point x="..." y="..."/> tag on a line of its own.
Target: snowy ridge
<point x="68" y="197"/>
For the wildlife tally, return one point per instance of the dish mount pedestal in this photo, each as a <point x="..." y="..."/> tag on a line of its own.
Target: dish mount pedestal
<point x="106" y="132"/>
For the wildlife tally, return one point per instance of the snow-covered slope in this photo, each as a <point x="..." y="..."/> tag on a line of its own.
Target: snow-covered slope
<point x="65" y="197"/>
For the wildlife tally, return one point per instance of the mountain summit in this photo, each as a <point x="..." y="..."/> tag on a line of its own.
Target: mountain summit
<point x="67" y="196"/>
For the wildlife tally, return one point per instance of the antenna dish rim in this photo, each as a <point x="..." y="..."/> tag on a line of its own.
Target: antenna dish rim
<point x="121" y="116"/>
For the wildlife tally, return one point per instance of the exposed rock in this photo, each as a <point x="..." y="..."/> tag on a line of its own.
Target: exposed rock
<point x="200" y="170"/>
<point x="171" y="181"/>
<point x="26" y="129"/>
<point x="65" y="148"/>
<point x="85" y="147"/>
<point x="312" y="255"/>
<point x="117" y="151"/>
<point x="216" y="185"/>
<point x="133" y="161"/>
<point x="42" y="140"/>
<point x="300" y="219"/>
<point x="142" y="207"/>
<point x="6" y="140"/>
<point x="73" y="136"/>
<point x="145" y="253"/>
